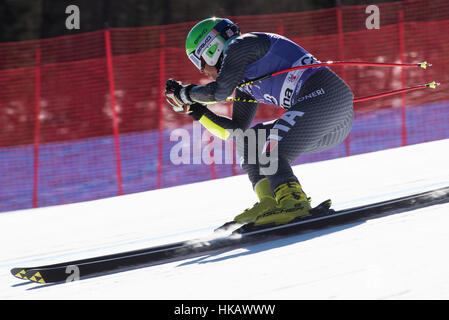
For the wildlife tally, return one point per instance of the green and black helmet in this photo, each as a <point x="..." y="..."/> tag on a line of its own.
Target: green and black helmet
<point x="208" y="39"/>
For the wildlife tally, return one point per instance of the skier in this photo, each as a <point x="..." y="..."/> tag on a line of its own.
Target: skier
<point x="318" y="104"/>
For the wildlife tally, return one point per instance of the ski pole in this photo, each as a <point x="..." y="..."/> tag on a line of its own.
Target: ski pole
<point x="423" y="65"/>
<point x="432" y="85"/>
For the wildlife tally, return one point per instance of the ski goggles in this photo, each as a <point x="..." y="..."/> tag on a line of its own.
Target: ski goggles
<point x="195" y="56"/>
<point x="196" y="61"/>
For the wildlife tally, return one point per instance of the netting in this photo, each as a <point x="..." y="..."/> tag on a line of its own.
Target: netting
<point x="83" y="117"/>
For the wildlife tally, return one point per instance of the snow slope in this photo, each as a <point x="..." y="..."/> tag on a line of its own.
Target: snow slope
<point x="402" y="256"/>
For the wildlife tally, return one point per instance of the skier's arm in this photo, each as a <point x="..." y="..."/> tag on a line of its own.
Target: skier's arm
<point x="242" y="115"/>
<point x="240" y="53"/>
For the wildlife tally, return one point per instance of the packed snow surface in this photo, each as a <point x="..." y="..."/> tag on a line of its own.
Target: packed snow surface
<point x="400" y="256"/>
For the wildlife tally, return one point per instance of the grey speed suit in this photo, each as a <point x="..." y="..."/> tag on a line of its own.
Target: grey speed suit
<point x="320" y="116"/>
<point x="320" y="119"/>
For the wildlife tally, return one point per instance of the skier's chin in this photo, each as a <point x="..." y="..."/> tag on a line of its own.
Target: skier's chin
<point x="211" y="72"/>
<point x="212" y="76"/>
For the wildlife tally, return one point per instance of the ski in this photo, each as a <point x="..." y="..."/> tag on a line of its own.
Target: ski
<point x="21" y="273"/>
<point x="245" y="235"/>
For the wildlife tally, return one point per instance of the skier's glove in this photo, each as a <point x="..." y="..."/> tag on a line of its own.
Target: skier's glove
<point x="196" y="110"/>
<point x="177" y="95"/>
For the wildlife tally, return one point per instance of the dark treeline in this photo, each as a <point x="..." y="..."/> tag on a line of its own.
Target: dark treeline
<point x="36" y="19"/>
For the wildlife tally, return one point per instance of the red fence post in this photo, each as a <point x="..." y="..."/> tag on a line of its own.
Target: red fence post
<point x="280" y="111"/>
<point x="213" y="171"/>
<point x="341" y="56"/>
<point x="161" y="106"/>
<point x="402" y="57"/>
<point x="113" y="103"/>
<point x="232" y="146"/>
<point x="37" y="99"/>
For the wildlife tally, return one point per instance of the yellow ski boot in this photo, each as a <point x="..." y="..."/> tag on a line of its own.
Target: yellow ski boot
<point x="266" y="202"/>
<point x="292" y="203"/>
